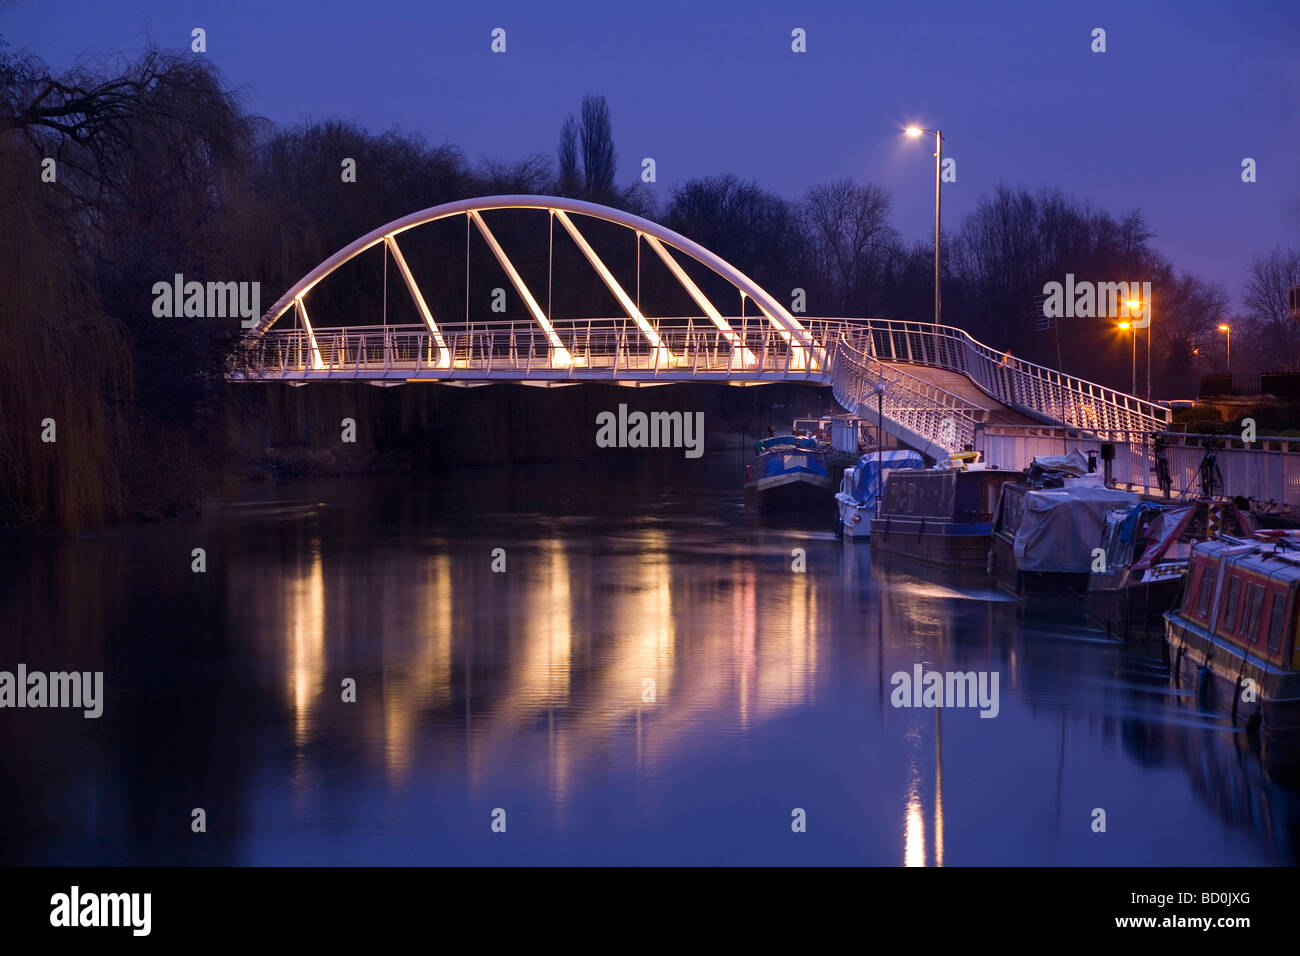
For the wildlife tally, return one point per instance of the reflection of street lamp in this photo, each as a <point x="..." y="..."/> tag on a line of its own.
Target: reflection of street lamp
<point x="1228" y="331"/>
<point x="1124" y="327"/>
<point x="1137" y="304"/>
<point x="915" y="131"/>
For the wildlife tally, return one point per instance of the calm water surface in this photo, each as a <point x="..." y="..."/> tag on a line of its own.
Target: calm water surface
<point x="526" y="691"/>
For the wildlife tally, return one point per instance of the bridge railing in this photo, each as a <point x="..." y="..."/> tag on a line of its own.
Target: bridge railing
<point x="924" y="409"/>
<point x="752" y="346"/>
<point x="1014" y="382"/>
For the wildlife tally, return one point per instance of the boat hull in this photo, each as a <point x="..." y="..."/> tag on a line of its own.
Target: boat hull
<point x="854" y="519"/>
<point x="1010" y="578"/>
<point x="1133" y="611"/>
<point x="795" y="491"/>
<point x="1212" y="670"/>
<point x="938" y="543"/>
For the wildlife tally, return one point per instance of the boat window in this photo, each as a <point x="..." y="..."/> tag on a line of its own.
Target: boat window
<point x="1254" y="603"/>
<point x="1207" y="588"/>
<point x="1230" y="609"/>
<point x="1275" y="617"/>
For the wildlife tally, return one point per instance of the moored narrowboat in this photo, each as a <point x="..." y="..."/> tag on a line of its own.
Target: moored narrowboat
<point x="1045" y="538"/>
<point x="1232" y="638"/>
<point x="859" y="492"/>
<point x="940" y="516"/>
<point x="1147" y="548"/>
<point x="788" y="474"/>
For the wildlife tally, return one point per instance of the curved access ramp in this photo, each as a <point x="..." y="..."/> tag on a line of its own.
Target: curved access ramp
<point x="936" y="384"/>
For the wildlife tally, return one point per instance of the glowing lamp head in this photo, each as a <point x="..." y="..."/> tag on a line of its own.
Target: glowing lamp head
<point x="1223" y="328"/>
<point x="913" y="131"/>
<point x="1134" y="304"/>
<point x="1126" y="326"/>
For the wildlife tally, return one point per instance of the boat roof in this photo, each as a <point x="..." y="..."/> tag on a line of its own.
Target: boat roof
<point x="898" y="458"/>
<point x="1275" y="555"/>
<point x="996" y="472"/>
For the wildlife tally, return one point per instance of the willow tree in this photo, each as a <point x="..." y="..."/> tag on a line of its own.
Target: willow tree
<point x="147" y="177"/>
<point x="64" y="364"/>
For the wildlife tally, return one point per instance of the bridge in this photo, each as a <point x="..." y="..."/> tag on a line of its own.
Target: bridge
<point x="934" y="386"/>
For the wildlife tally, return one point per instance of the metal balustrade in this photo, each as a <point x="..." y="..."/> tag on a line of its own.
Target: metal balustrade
<point x="918" y="411"/>
<point x="1038" y="391"/>
<point x="751" y="349"/>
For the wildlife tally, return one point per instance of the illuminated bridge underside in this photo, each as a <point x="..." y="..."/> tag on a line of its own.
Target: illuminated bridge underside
<point x="936" y="384"/>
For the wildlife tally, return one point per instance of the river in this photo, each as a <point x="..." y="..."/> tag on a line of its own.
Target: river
<point x="582" y="663"/>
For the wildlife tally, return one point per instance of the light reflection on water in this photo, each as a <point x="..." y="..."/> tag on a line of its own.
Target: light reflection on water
<point x="647" y="681"/>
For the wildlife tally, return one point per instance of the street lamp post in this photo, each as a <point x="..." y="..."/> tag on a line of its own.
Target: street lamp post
<point x="1125" y="327"/>
<point x="1137" y="304"/>
<point x="879" y="389"/>
<point x="938" y="179"/>
<point x="1228" y="331"/>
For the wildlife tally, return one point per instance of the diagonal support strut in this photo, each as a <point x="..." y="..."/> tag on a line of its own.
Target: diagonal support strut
<point x="663" y="355"/>
<point x="560" y="355"/>
<point x="444" y="356"/>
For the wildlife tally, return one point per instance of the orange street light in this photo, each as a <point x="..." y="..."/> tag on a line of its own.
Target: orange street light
<point x="1133" y="305"/>
<point x="1125" y="327"/>
<point x="1227" y="330"/>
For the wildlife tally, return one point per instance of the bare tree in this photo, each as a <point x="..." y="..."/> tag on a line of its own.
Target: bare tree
<point x="850" y="241"/>
<point x="1272" y="276"/>
<point x="755" y="230"/>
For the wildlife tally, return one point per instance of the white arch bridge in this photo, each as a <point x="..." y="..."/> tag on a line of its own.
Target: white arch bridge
<point x="935" y="385"/>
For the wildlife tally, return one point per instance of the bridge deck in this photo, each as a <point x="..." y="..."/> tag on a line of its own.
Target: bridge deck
<point x="958" y="384"/>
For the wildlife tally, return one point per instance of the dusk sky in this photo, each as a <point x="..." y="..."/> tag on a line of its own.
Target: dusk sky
<point x="1162" y="120"/>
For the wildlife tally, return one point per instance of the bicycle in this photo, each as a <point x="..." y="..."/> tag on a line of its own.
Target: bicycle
<point x="1211" y="478"/>
<point x="1163" y="478"/>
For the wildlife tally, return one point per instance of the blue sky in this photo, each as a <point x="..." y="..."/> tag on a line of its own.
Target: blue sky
<point x="1162" y="120"/>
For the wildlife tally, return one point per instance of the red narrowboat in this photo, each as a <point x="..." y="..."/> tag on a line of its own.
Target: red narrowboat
<point x="1232" y="637"/>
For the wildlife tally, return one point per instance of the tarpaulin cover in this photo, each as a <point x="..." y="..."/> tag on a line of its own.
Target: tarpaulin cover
<point x="1072" y="464"/>
<point x="789" y="462"/>
<point x="1161" y="533"/>
<point x="1060" y="527"/>
<point x="867" y="475"/>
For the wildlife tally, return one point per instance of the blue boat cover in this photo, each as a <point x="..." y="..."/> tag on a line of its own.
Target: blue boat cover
<point x="768" y="444"/>
<point x="866" y="481"/>
<point x="788" y="461"/>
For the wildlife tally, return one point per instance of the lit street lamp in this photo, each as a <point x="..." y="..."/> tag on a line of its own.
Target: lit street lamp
<point x="1228" y="331"/>
<point x="915" y="131"/>
<point x="1137" y="304"/>
<point x="1125" y="327"/>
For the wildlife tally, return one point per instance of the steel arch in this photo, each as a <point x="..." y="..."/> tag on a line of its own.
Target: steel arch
<point x="780" y="317"/>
